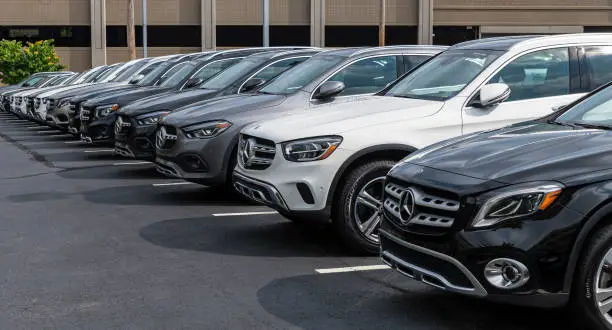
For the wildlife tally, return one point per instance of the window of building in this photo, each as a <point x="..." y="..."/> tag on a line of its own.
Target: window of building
<point x="351" y="36"/>
<point x="239" y="35"/>
<point x="450" y="35"/>
<point x="401" y="35"/>
<point x="157" y="35"/>
<point x="64" y="36"/>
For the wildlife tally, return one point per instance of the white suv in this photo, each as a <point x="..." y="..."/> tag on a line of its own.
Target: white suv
<point x="330" y="163"/>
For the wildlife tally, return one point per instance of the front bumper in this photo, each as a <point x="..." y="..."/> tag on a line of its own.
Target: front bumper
<point x="456" y="261"/>
<point x="99" y="131"/>
<point x="60" y="117"/>
<point x="135" y="141"/>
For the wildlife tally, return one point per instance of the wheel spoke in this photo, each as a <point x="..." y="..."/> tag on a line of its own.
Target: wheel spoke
<point x="363" y="201"/>
<point x="603" y="295"/>
<point x="605" y="307"/>
<point x="371" y="224"/>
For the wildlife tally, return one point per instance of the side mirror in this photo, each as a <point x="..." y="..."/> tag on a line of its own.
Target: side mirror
<point x="493" y="94"/>
<point x="136" y="79"/>
<point x="251" y="84"/>
<point x="193" y="82"/>
<point x="328" y="90"/>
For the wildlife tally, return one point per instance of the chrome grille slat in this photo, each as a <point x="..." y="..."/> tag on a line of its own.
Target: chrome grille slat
<point x="406" y="215"/>
<point x="255" y="153"/>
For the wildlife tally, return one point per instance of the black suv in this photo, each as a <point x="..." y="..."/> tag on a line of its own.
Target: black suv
<point x="521" y="214"/>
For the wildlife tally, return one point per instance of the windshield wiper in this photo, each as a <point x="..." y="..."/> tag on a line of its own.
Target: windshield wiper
<point x="561" y="124"/>
<point x="593" y="126"/>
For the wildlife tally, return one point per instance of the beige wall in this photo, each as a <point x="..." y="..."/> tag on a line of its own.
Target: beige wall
<point x="249" y="12"/>
<point x="160" y="12"/>
<point x="44" y="12"/>
<point x="120" y="54"/>
<point x="523" y="12"/>
<point x="75" y="58"/>
<point x="366" y="12"/>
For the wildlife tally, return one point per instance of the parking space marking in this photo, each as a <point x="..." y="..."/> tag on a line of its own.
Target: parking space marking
<point x="351" y="269"/>
<point x="242" y="214"/>
<point x="98" y="151"/>
<point x="172" y="184"/>
<point x="131" y="163"/>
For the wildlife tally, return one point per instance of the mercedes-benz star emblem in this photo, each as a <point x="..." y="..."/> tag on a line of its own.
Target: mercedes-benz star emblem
<point x="248" y="151"/>
<point x="407" y="206"/>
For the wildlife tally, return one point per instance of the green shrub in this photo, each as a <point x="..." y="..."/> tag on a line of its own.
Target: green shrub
<point x="17" y="61"/>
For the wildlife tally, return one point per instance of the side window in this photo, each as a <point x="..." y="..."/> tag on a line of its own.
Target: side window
<point x="542" y="73"/>
<point x="412" y="61"/>
<point x="367" y="76"/>
<point x="215" y="67"/>
<point x="597" y="64"/>
<point x="279" y="67"/>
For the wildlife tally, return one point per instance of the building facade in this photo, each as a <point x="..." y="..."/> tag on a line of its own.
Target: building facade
<point x="93" y="32"/>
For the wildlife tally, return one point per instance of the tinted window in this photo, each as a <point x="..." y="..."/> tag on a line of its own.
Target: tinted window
<point x="302" y="75"/>
<point x="231" y="74"/>
<point x="126" y="73"/>
<point x="594" y="110"/>
<point x="598" y="61"/>
<point x="539" y="74"/>
<point x="279" y="67"/>
<point x="412" y="61"/>
<point x="368" y="75"/>
<point x="213" y="68"/>
<point x="32" y="81"/>
<point x="152" y="76"/>
<point x="179" y="75"/>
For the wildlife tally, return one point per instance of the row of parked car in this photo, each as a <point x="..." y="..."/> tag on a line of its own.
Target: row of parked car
<point x="484" y="168"/>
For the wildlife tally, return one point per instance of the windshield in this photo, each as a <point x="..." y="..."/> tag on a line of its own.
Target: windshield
<point x="72" y="79"/>
<point x="213" y="68"/>
<point x="151" y="77"/>
<point x="108" y="75"/>
<point x="57" y="80"/>
<point x="300" y="76"/>
<point x="96" y="74"/>
<point x="231" y="74"/>
<point x="595" y="110"/>
<point x="126" y="74"/>
<point x="177" y="75"/>
<point x="445" y="75"/>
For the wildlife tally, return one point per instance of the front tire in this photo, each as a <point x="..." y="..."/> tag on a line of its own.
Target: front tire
<point x="357" y="217"/>
<point x="592" y="291"/>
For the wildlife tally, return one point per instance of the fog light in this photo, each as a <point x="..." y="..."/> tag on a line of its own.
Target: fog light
<point x="506" y="274"/>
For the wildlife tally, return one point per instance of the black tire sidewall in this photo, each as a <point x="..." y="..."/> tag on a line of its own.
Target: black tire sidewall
<point x="344" y="221"/>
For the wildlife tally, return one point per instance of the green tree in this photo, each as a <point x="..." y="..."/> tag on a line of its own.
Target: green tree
<point x="18" y="61"/>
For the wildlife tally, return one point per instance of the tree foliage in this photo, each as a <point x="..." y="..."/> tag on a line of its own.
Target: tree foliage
<point x="18" y="61"/>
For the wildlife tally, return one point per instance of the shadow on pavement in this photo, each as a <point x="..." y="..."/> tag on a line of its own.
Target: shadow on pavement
<point x="38" y="197"/>
<point x="374" y="300"/>
<point x="149" y="195"/>
<point x="269" y="236"/>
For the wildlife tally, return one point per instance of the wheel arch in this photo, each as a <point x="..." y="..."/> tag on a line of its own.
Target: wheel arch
<point x="394" y="152"/>
<point x="597" y="219"/>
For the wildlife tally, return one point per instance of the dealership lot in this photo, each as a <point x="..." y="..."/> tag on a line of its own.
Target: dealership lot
<point x="90" y="240"/>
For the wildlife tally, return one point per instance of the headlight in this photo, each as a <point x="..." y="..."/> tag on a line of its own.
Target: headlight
<point x="105" y="110"/>
<point x="151" y="118"/>
<point x="311" y="149"/>
<point x="515" y="202"/>
<point x="206" y="130"/>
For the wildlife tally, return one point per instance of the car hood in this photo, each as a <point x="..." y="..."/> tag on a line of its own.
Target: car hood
<point x="123" y="97"/>
<point x="341" y="117"/>
<point x="530" y="151"/>
<point x="167" y="101"/>
<point x="85" y="93"/>
<point x="222" y="108"/>
<point x="56" y="93"/>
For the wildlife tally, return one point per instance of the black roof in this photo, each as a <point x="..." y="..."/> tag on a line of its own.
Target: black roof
<point x="495" y="43"/>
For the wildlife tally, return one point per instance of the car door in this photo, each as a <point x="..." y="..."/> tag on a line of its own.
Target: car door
<point x="539" y="82"/>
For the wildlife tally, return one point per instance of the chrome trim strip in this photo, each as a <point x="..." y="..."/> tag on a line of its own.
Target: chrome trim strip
<point x="478" y="290"/>
<point x="278" y="199"/>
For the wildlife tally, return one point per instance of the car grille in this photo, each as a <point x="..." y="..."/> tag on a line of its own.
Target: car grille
<point x="85" y="114"/>
<point x="415" y="207"/>
<point x="50" y="105"/>
<point x="122" y="126"/>
<point x="37" y="103"/>
<point x="166" y="137"/>
<point x="255" y="153"/>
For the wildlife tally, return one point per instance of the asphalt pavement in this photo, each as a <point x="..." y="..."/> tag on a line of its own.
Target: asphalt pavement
<point x="90" y="240"/>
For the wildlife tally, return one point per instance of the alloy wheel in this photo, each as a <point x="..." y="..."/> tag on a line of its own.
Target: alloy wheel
<point x="603" y="287"/>
<point x="366" y="209"/>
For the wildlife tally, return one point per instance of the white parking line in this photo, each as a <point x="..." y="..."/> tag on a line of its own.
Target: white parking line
<point x="131" y="163"/>
<point x="351" y="269"/>
<point x="98" y="151"/>
<point x="172" y="184"/>
<point x="242" y="214"/>
<point x="73" y="142"/>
